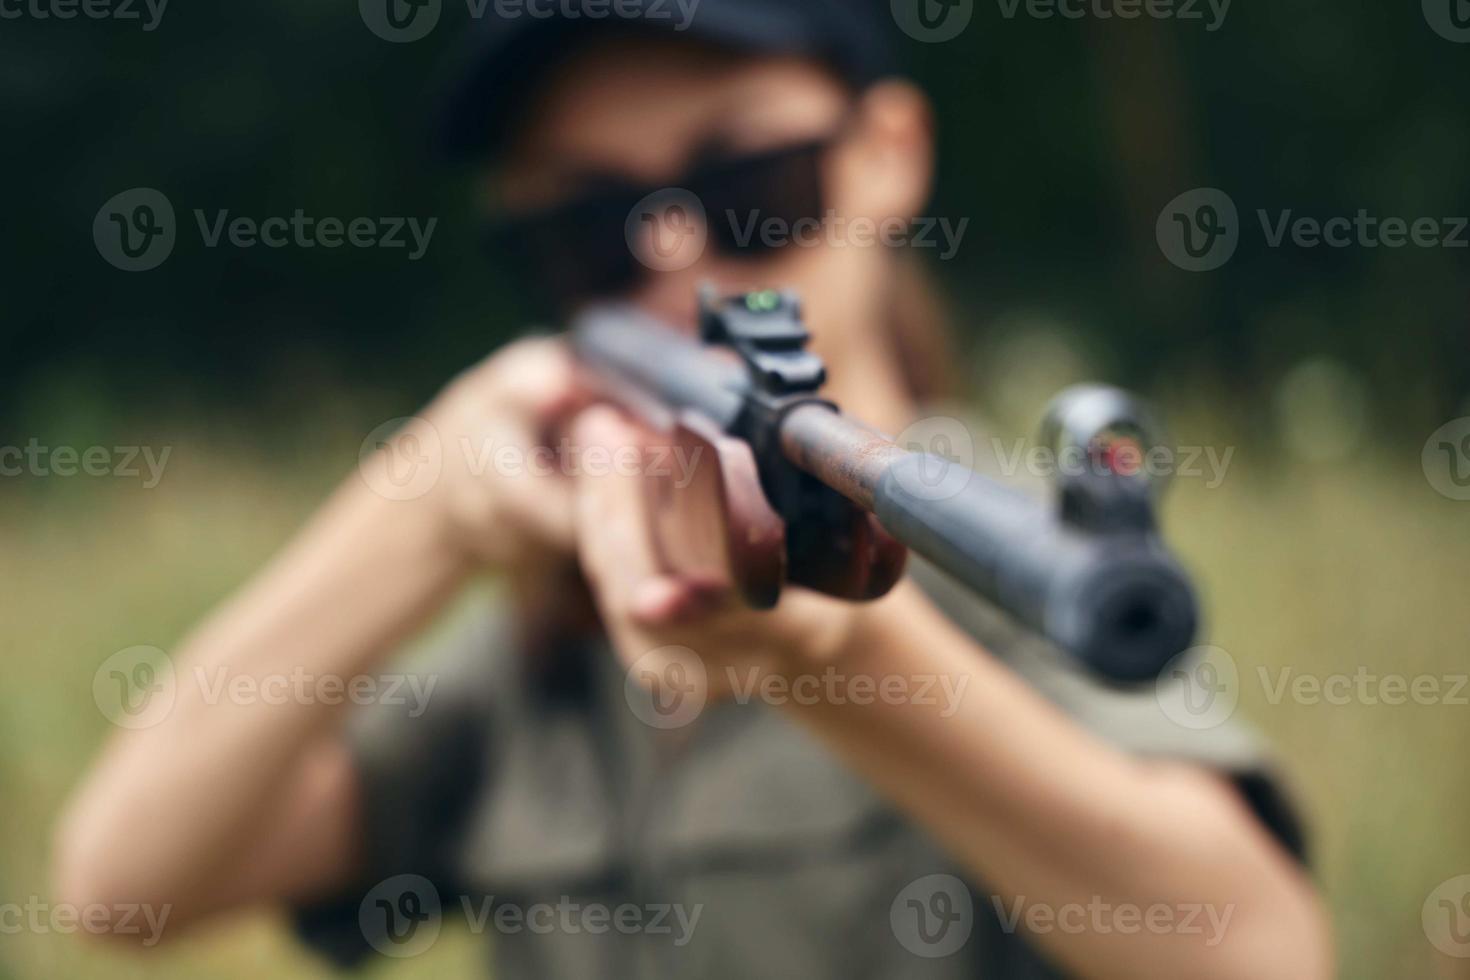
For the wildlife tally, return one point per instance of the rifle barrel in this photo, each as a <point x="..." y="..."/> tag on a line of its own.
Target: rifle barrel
<point x="1117" y="601"/>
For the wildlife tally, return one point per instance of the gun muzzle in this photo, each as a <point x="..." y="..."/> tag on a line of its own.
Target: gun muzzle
<point x="1113" y="598"/>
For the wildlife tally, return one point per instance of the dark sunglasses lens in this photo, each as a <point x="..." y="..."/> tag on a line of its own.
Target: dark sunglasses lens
<point x="580" y="251"/>
<point x="574" y="253"/>
<point x="756" y="204"/>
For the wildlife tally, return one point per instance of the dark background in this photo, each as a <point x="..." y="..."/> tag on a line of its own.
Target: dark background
<point x="1061" y="141"/>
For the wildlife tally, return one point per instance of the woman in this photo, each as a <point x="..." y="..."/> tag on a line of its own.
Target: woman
<point x="1013" y="829"/>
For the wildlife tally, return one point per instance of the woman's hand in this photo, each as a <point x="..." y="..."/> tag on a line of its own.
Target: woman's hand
<point x="645" y="608"/>
<point x="503" y="492"/>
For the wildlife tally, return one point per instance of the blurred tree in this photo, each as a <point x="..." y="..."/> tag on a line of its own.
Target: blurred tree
<point x="1061" y="140"/>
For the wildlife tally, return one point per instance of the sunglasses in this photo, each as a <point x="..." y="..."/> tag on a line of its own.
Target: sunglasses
<point x="584" y="249"/>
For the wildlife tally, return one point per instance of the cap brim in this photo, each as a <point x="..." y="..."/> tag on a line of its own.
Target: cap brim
<point x="505" y="58"/>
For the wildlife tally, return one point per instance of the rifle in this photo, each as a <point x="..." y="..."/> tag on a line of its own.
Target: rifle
<point x="809" y="496"/>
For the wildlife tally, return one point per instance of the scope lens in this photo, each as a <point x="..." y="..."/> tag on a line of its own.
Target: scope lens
<point x="1120" y="450"/>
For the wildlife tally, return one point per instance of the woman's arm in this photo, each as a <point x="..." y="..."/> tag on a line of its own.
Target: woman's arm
<point x="1050" y="817"/>
<point x="1038" y="809"/>
<point x="176" y="813"/>
<point x="224" y="801"/>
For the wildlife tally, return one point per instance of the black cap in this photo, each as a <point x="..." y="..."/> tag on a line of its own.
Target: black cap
<point x="511" y="45"/>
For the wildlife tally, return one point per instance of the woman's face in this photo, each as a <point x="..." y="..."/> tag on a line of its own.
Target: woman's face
<point x="650" y="112"/>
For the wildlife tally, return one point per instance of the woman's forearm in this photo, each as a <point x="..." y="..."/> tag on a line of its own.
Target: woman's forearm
<point x="1054" y="820"/>
<point x="169" y="807"/>
<point x="235" y="799"/>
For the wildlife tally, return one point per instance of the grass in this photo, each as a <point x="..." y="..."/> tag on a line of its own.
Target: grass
<point x="1323" y="568"/>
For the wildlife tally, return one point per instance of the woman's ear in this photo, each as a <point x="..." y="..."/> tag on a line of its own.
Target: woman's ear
<point x="887" y="163"/>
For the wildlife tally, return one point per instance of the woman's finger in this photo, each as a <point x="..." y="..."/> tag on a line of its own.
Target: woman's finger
<point x="614" y="534"/>
<point x="673" y="601"/>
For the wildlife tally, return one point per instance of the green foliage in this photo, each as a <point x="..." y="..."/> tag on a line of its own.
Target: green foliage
<point x="1061" y="140"/>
